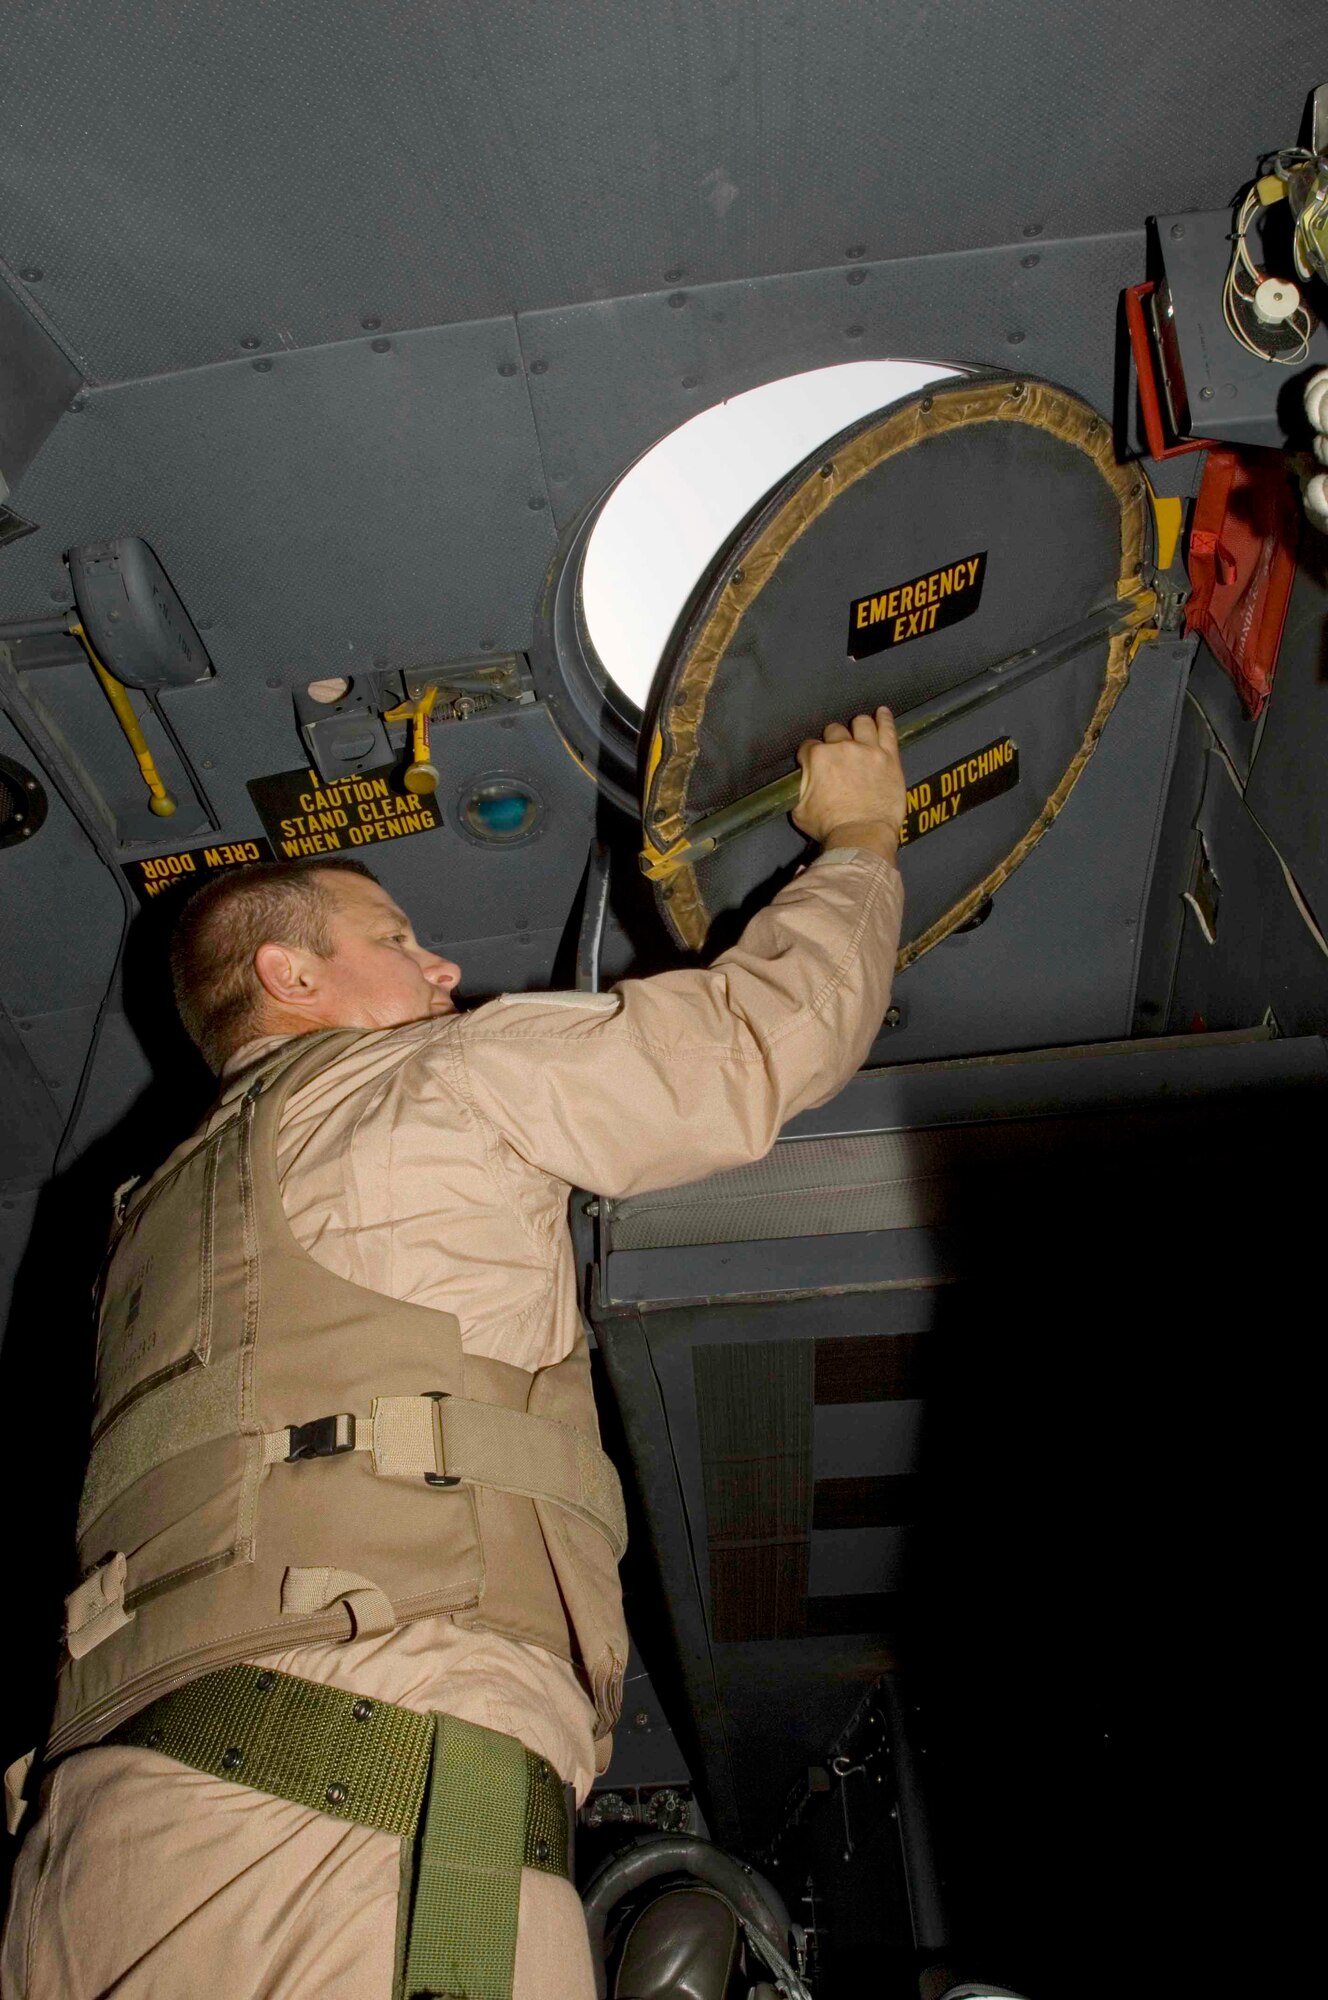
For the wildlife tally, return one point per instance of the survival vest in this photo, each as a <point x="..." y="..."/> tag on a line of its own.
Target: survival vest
<point x="280" y="1455"/>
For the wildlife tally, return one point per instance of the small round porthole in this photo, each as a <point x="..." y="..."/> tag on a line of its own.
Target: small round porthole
<point x="499" y="810"/>
<point x="22" y="803"/>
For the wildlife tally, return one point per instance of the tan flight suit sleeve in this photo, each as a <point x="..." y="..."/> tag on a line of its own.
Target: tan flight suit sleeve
<point x="676" y="1076"/>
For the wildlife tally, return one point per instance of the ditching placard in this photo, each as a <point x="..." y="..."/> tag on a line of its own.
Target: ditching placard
<point x="968" y="782"/>
<point x="306" y="815"/>
<point x="926" y="603"/>
<point x="154" y="877"/>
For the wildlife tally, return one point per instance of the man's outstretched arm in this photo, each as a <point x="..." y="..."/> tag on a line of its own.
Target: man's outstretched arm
<point x="669" y="1078"/>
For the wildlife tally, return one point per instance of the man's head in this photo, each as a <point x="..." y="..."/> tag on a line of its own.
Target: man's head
<point x="284" y="948"/>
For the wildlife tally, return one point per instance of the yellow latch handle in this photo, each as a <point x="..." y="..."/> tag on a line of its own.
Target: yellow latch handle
<point x="159" y="799"/>
<point x="421" y="772"/>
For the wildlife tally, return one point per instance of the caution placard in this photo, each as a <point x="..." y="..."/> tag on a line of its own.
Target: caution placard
<point x="305" y="815"/>
<point x="152" y="878"/>
<point x="968" y="782"/>
<point x="926" y="603"/>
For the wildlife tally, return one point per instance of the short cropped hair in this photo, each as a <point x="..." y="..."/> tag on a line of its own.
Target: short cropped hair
<point x="217" y="935"/>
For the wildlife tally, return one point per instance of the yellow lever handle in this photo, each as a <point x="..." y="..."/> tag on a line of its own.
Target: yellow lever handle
<point x="159" y="799"/>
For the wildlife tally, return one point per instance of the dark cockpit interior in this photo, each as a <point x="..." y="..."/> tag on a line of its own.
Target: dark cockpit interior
<point x="484" y="442"/>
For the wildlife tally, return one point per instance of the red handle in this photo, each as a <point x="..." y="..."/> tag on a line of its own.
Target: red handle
<point x="1150" y="401"/>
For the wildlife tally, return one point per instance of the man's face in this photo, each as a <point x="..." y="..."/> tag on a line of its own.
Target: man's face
<point x="379" y="975"/>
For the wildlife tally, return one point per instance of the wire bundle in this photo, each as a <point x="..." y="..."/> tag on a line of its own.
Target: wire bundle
<point x="1266" y="343"/>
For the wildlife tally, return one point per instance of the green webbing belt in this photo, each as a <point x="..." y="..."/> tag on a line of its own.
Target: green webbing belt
<point x="478" y="1807"/>
<point x="468" y="1867"/>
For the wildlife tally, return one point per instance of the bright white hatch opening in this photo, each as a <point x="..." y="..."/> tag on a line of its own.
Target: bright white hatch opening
<point x="664" y="521"/>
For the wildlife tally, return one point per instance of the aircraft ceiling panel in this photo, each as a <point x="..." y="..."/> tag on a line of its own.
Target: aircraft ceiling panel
<point x="188" y="178"/>
<point x="317" y="512"/>
<point x="608" y="379"/>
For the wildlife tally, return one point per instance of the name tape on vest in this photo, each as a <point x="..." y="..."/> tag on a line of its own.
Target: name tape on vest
<point x="926" y="603"/>
<point x="968" y="782"/>
<point x="305" y="814"/>
<point x="152" y="878"/>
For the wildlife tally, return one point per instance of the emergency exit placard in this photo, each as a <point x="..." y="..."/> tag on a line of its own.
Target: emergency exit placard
<point x="307" y="815"/>
<point x="926" y="603"/>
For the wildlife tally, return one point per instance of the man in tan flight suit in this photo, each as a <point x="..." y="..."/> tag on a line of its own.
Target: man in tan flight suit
<point x="430" y="1163"/>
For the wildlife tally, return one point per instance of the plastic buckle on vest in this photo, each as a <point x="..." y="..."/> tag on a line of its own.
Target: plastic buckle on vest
<point x="439" y="1478"/>
<point x="324" y="1437"/>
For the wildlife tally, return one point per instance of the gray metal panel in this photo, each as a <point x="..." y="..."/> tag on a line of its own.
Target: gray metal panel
<point x="56" y="1042"/>
<point x="672" y="1355"/>
<point x="1215" y="692"/>
<point x="1286" y="790"/>
<point x="188" y="179"/>
<point x="1055" y="961"/>
<point x="1165" y="914"/>
<point x="121" y="1072"/>
<point x="784" y="1701"/>
<point x="54" y="895"/>
<point x="499" y="909"/>
<point x="869" y="1440"/>
<point x="846" y="1185"/>
<point x="30" y="1129"/>
<point x="18" y="1206"/>
<point x="1266" y="956"/>
<point x="342" y="507"/>
<point x="1234" y="397"/>
<point x="69" y="700"/>
<point x="508" y="964"/>
<point x="1044" y="1082"/>
<point x="636" y="1388"/>
<point x="899" y="1258"/>
<point x="458" y="889"/>
<point x="821" y="1187"/>
<point x="36" y="381"/>
<point x="976" y="1161"/>
<point x="846" y="1560"/>
<point x="645" y="1749"/>
<point x="608" y="379"/>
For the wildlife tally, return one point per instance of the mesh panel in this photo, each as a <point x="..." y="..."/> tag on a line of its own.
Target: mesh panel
<point x="754" y="1412"/>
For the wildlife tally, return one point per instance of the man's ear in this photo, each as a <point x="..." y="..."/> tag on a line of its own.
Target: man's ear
<point x="288" y="974"/>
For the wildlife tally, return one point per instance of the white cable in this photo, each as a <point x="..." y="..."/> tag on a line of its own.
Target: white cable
<point x="1242" y="265"/>
<point x="1293" y="887"/>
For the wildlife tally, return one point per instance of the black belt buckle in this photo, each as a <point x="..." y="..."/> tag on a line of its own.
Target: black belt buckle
<point x="323" y="1437"/>
<point x="439" y="1478"/>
